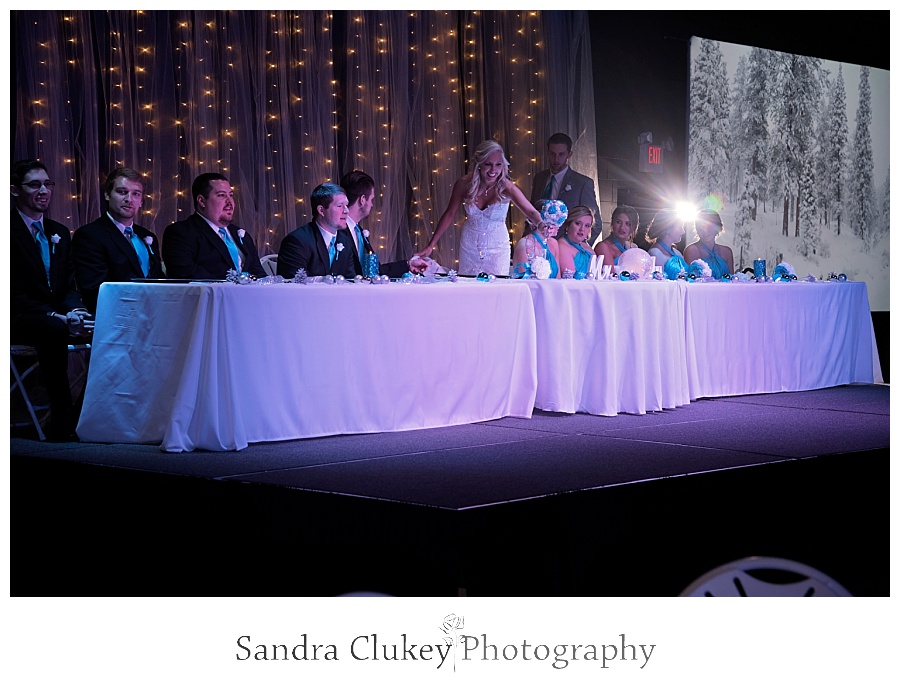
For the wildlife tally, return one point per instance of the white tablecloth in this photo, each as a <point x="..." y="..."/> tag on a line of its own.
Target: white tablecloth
<point x="217" y="366"/>
<point x="777" y="337"/>
<point x="610" y="347"/>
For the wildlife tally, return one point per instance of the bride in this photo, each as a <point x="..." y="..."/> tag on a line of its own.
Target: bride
<point x="485" y="193"/>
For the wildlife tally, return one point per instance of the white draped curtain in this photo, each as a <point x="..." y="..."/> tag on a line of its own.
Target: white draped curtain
<point x="281" y="101"/>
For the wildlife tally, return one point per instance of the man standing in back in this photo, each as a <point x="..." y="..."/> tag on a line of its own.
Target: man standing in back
<point x="565" y="184"/>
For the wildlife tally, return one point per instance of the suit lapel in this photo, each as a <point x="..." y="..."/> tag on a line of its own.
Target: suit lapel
<point x="122" y="244"/>
<point x="214" y="239"/>
<point x="566" y="181"/>
<point x="233" y="231"/>
<point x="321" y="247"/>
<point x="366" y="247"/>
<point x="22" y="235"/>
<point x="151" y="252"/>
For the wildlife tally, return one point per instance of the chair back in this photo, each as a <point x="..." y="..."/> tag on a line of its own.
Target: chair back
<point x="270" y="264"/>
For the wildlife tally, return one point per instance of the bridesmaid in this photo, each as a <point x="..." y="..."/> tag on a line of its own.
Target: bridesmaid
<point x="624" y="225"/>
<point x="539" y="243"/>
<point x="708" y="225"/>
<point x="665" y="230"/>
<point x="574" y="253"/>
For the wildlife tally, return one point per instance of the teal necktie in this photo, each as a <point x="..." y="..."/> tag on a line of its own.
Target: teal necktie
<point x="332" y="251"/>
<point x="44" y="245"/>
<point x="232" y="248"/>
<point x="548" y="190"/>
<point x="140" y="248"/>
<point x="362" y="243"/>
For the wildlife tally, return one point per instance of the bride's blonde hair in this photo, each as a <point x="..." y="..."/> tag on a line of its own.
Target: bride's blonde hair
<point x="485" y="149"/>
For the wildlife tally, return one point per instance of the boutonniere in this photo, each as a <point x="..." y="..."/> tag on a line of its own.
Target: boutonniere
<point x="54" y="240"/>
<point x="366" y="233"/>
<point x="241" y="233"/>
<point x="339" y="246"/>
<point x="149" y="241"/>
<point x="568" y="187"/>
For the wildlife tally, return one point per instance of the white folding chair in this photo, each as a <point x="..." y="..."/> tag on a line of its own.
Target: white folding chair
<point x="19" y="377"/>
<point x="270" y="264"/>
<point x="78" y="368"/>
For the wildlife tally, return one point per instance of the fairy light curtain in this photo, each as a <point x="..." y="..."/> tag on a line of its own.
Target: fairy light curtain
<point x="282" y="101"/>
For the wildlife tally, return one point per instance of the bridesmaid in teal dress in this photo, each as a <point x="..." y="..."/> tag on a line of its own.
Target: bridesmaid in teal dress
<point x="539" y="243"/>
<point x="574" y="253"/>
<point x="708" y="225"/>
<point x="665" y="230"/>
<point x="623" y="227"/>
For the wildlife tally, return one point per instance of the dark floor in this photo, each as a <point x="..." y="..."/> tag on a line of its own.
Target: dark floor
<point x="553" y="505"/>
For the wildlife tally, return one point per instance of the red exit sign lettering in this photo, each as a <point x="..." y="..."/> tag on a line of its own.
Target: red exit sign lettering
<point x="651" y="159"/>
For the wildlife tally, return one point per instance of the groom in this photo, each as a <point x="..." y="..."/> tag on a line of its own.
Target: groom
<point x="360" y="190"/>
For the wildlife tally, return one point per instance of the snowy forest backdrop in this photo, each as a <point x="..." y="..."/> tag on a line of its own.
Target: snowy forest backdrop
<point x="794" y="152"/>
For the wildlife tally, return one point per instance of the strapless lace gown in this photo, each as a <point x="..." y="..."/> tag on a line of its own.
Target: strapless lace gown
<point x="484" y="243"/>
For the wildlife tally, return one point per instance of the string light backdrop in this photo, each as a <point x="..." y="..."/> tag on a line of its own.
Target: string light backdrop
<point x="281" y="101"/>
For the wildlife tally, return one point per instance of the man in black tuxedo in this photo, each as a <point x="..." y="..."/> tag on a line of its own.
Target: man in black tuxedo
<point x="563" y="183"/>
<point x="323" y="246"/>
<point x="206" y="245"/>
<point x="113" y="248"/>
<point x="46" y="311"/>
<point x="360" y="190"/>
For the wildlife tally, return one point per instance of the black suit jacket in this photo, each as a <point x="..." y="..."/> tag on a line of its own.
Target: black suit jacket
<point x="30" y="291"/>
<point x="305" y="248"/>
<point x="191" y="250"/>
<point x="103" y="254"/>
<point x="366" y="247"/>
<point x="396" y="269"/>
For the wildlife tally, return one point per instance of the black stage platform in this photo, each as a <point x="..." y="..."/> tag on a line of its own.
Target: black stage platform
<point x="554" y="505"/>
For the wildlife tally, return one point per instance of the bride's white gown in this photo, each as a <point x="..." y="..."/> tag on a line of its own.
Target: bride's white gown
<point x="484" y="243"/>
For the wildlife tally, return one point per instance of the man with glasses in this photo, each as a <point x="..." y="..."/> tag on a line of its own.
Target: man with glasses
<point x="46" y="311"/>
<point x="113" y="248"/>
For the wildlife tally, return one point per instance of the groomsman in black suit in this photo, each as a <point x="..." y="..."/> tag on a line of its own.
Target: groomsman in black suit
<point x="563" y="183"/>
<point x="206" y="245"/>
<point x="324" y="246"/>
<point x="360" y="190"/>
<point x="113" y="248"/>
<point x="46" y="310"/>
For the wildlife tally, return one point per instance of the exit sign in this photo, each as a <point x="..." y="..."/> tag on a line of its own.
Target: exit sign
<point x="651" y="158"/>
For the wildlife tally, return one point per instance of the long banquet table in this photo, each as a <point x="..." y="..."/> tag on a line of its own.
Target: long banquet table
<point x="778" y="337"/>
<point x="218" y="366"/>
<point x="610" y="347"/>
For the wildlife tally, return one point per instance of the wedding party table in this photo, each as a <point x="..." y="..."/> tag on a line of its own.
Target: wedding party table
<point x="608" y="347"/>
<point x="218" y="366"/>
<point x="778" y="337"/>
